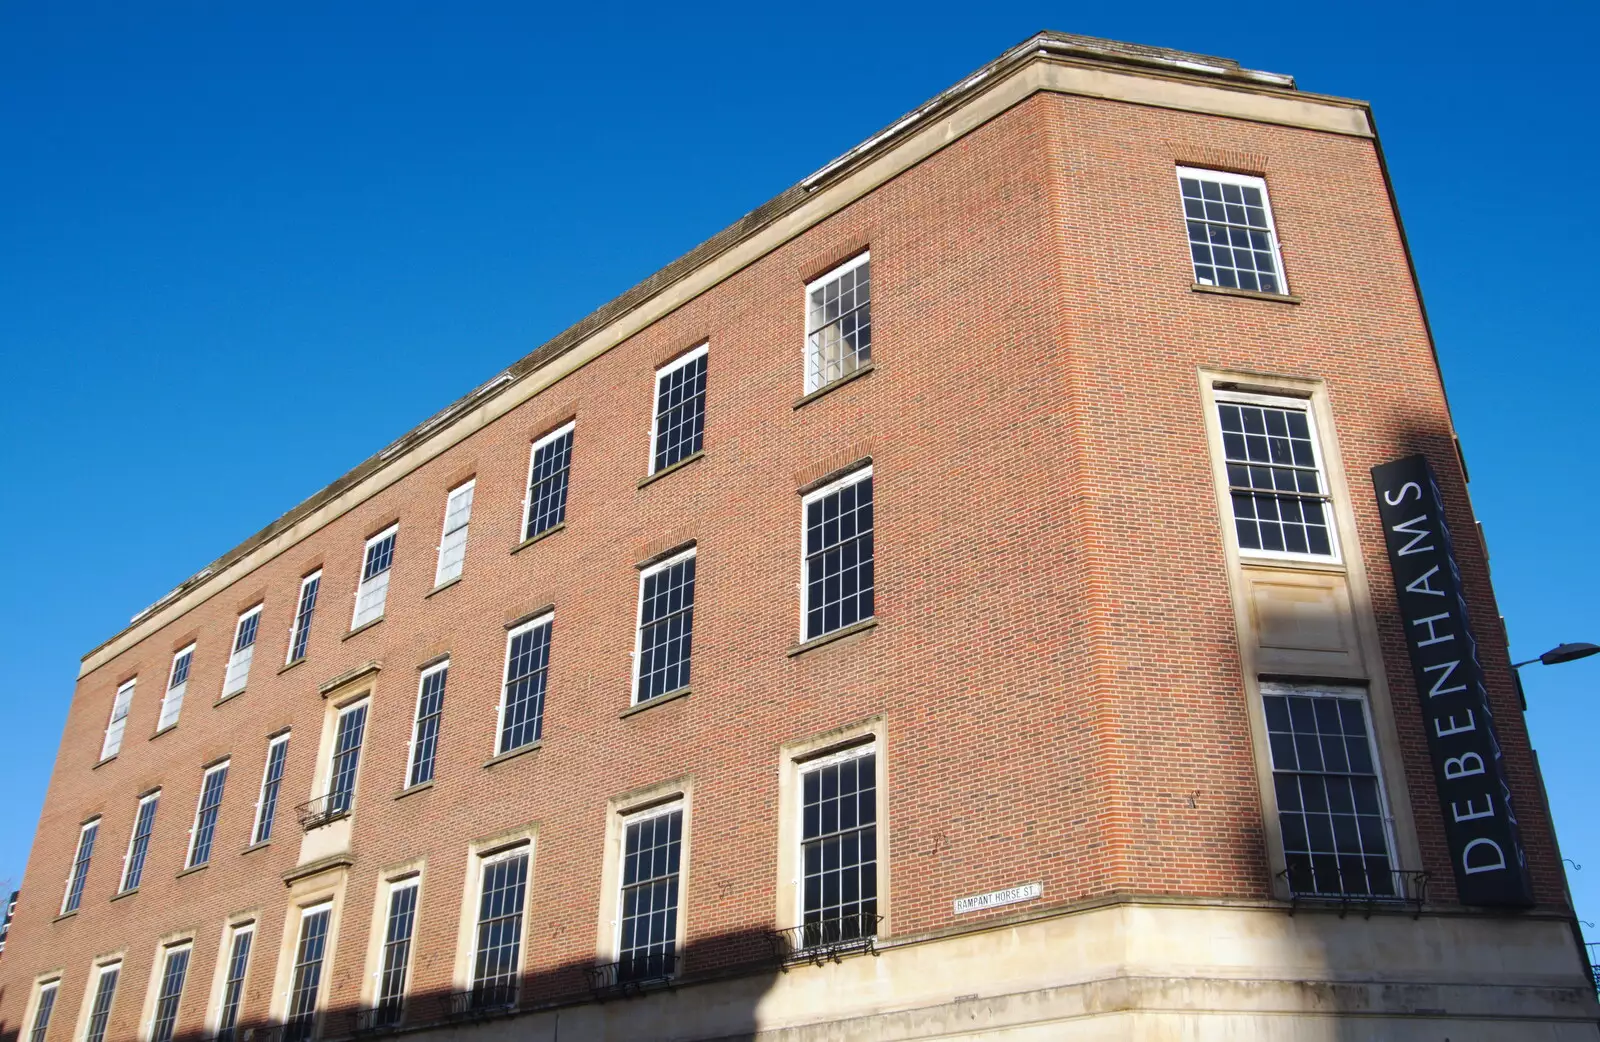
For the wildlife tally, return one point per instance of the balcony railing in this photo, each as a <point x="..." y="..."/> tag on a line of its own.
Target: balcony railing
<point x="487" y="999"/>
<point x="1372" y="890"/>
<point x="635" y="974"/>
<point x="1594" y="963"/>
<point x="817" y="942"/>
<point x="379" y="1020"/>
<point x="326" y="808"/>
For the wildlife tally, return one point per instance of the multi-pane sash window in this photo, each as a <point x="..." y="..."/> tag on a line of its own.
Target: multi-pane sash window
<point x="497" y="951"/>
<point x="839" y="847"/>
<point x="105" y="992"/>
<point x="548" y="464"/>
<point x="305" y="608"/>
<point x="680" y="421"/>
<point x="373" y="591"/>
<point x="839" y="322"/>
<point x="271" y="782"/>
<point x="647" y="928"/>
<point x="173" y="973"/>
<point x="1275" y="478"/>
<point x="119" y="720"/>
<point x="205" y="815"/>
<point x="1231" y="236"/>
<point x="144" y="823"/>
<point x="306" y="981"/>
<point x="425" y="734"/>
<point x="838" y="586"/>
<point x="662" y="645"/>
<point x="233" y="982"/>
<point x="397" y="933"/>
<point x="80" y="867"/>
<point x="1331" y="806"/>
<point x="522" y="699"/>
<point x="177" y="684"/>
<point x="244" y="650"/>
<point x="43" y="1012"/>
<point x="346" y="758"/>
<point x="453" y="541"/>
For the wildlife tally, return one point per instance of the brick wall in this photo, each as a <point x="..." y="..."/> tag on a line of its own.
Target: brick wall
<point x="1055" y="655"/>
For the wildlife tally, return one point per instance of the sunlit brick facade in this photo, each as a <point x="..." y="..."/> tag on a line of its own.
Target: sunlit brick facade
<point x="1015" y="678"/>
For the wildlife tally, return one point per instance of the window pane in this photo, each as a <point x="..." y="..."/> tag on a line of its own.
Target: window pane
<point x="839" y="325"/>
<point x="522" y="713"/>
<point x="680" y="413"/>
<point x="547" y="485"/>
<point x="666" y="629"/>
<point x="839" y="850"/>
<point x="1230" y="234"/>
<point x="839" y="559"/>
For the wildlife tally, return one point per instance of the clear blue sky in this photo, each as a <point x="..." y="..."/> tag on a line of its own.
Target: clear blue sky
<point x="242" y="246"/>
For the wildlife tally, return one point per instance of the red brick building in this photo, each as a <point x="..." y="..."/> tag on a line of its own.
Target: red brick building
<point x="952" y="601"/>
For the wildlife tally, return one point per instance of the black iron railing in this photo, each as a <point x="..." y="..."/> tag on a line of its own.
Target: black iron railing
<point x="1594" y="963"/>
<point x="487" y="999"/>
<point x="825" y="939"/>
<point x="1368" y="891"/>
<point x="265" y="1033"/>
<point x="635" y="974"/>
<point x="378" y="1020"/>
<point x="325" y="808"/>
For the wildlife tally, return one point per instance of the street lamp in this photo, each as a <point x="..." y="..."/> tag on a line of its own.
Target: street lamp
<point x="1562" y="653"/>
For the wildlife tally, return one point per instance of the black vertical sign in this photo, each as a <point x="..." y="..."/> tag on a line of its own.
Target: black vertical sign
<point x="1479" y="820"/>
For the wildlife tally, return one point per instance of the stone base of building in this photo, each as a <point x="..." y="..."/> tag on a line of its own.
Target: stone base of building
<point x="1136" y="970"/>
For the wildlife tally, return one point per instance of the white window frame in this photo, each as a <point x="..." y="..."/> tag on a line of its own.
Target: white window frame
<point x="363" y="584"/>
<point x="678" y="803"/>
<point x="294" y="621"/>
<point x="466" y="488"/>
<point x="638" y="614"/>
<point x="329" y="767"/>
<point x="158" y="980"/>
<point x="237" y="676"/>
<point x="522" y="848"/>
<point x="324" y="974"/>
<point x="527" y="486"/>
<point x="798" y="839"/>
<point x="1287" y="402"/>
<point x="172" y="697"/>
<point x="72" y="867"/>
<point x="261" y="790"/>
<point x="392" y="887"/>
<point x="117" y="727"/>
<point x="230" y="940"/>
<point x="1330" y="690"/>
<point x="199" y="803"/>
<point x="133" y="836"/>
<point x="857" y="475"/>
<point x="1242" y="181"/>
<point x="51" y="985"/>
<point x="813" y="380"/>
<point x="655" y="397"/>
<point x="547" y="619"/>
<point x="416" y="724"/>
<point x="93" y="994"/>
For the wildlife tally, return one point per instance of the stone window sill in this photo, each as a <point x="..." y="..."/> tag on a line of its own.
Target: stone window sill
<point x="670" y="696"/>
<point x="1250" y="294"/>
<point x="65" y="915"/>
<point x="811" y="396"/>
<point x="290" y="665"/>
<point x="364" y="627"/>
<point x="252" y="848"/>
<point x="828" y="638"/>
<point x="102" y="763"/>
<point x="170" y="727"/>
<point x="412" y="790"/>
<point x="552" y="530"/>
<point x="512" y="754"/>
<point x="191" y="870"/>
<point x="229" y="698"/>
<point x="442" y="587"/>
<point x="664" y="471"/>
<point x="124" y="893"/>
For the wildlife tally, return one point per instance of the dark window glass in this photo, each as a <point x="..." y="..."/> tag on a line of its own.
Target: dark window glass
<point x="1279" y="499"/>
<point x="271" y="781"/>
<point x="1335" y="831"/>
<point x="839" y="565"/>
<point x="100" y="1012"/>
<point x="205" y="821"/>
<point x="839" y="325"/>
<point x="307" y="980"/>
<point x="649" y="915"/>
<point x="396" y="953"/>
<point x="430" y="704"/>
<point x="498" y="953"/>
<point x="547" y="485"/>
<point x="522" y="711"/>
<point x="41" y="1019"/>
<point x="233" y="985"/>
<point x="143" y="825"/>
<point x="346" y="759"/>
<point x="80" y="869"/>
<point x="839" y="851"/>
<point x="1230" y="235"/>
<point x="172" y="978"/>
<point x="680" y="412"/>
<point x="302" y="618"/>
<point x="666" y="629"/>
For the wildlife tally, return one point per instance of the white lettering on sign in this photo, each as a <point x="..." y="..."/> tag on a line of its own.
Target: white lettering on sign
<point x="996" y="898"/>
